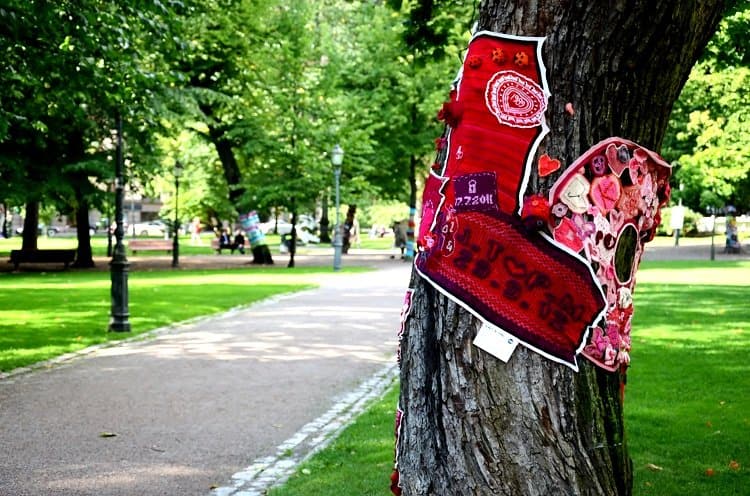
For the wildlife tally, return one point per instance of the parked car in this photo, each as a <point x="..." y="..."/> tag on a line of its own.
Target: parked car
<point x="305" y="222"/>
<point x="151" y="228"/>
<point x="42" y="229"/>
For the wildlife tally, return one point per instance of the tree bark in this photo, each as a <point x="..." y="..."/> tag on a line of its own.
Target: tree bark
<point x="325" y="236"/>
<point x="30" y="223"/>
<point x="84" y="255"/>
<point x="347" y="228"/>
<point x="218" y="136"/>
<point x="472" y="424"/>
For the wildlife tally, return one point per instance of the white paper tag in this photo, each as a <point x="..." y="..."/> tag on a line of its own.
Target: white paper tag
<point x="495" y="341"/>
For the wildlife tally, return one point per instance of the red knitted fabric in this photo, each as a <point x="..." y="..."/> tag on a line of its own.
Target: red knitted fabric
<point x="502" y="102"/>
<point x="476" y="249"/>
<point x="516" y="280"/>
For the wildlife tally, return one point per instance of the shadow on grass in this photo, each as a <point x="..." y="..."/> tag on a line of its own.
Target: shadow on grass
<point x="45" y="315"/>
<point x="687" y="402"/>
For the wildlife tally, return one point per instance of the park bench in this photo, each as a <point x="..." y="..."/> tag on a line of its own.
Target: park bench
<point x="137" y="245"/>
<point x="65" y="257"/>
<point x="217" y="246"/>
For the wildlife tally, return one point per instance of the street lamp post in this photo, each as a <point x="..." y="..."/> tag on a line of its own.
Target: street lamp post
<point x="119" y="264"/>
<point x="176" y="225"/>
<point x="337" y="158"/>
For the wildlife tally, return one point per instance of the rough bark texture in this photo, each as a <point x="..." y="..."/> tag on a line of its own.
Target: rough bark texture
<point x="347" y="228"/>
<point x="325" y="236"/>
<point x="218" y="135"/>
<point x="474" y="425"/>
<point x="30" y="223"/>
<point x="84" y="256"/>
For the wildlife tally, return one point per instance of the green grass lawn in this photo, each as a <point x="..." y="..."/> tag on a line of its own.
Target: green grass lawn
<point x="43" y="315"/>
<point x="687" y="403"/>
<point x="99" y="244"/>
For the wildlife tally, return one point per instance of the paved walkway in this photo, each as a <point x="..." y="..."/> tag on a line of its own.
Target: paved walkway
<point x="209" y="404"/>
<point x="231" y="402"/>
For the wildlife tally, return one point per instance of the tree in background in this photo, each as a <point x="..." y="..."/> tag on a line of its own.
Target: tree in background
<point x="472" y="424"/>
<point x="709" y="134"/>
<point x="69" y="67"/>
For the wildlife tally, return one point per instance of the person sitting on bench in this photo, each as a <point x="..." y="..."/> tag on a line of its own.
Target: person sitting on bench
<point x="225" y="242"/>
<point x="239" y="241"/>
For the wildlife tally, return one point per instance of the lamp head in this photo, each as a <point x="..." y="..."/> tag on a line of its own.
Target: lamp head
<point x="337" y="155"/>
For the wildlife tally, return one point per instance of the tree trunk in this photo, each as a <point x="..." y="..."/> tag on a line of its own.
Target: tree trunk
<point x="325" y="236"/>
<point x="4" y="232"/>
<point x="347" y="228"/>
<point x="30" y="223"/>
<point x="223" y="146"/>
<point x="84" y="256"/>
<point x="473" y="425"/>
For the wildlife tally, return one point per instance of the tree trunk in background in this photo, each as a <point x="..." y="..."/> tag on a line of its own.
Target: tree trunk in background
<point x="325" y="236"/>
<point x="347" y="228"/>
<point x="30" y="223"/>
<point x="223" y="145"/>
<point x="5" y="221"/>
<point x="474" y="425"/>
<point x="84" y="256"/>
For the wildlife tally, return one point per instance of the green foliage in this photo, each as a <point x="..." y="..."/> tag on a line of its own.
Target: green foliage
<point x="709" y="131"/>
<point x="690" y="224"/>
<point x="383" y="213"/>
<point x="68" y="69"/>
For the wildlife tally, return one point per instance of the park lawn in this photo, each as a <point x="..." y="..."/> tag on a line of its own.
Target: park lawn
<point x="99" y="245"/>
<point x="687" y="405"/>
<point x="44" y="315"/>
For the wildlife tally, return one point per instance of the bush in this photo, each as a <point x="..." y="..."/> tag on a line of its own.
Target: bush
<point x="689" y="228"/>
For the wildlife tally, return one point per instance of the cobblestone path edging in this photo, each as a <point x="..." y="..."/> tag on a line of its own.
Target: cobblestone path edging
<point x="274" y="470"/>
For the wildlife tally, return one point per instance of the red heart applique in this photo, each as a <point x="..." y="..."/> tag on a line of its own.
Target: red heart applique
<point x="548" y="165"/>
<point x="605" y="192"/>
<point x="566" y="234"/>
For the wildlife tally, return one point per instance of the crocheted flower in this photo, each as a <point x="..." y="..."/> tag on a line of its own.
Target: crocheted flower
<point x="475" y="62"/>
<point x="535" y="212"/>
<point x="559" y="210"/>
<point x="451" y="111"/>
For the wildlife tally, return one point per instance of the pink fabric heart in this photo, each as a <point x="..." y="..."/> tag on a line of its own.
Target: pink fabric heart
<point x="605" y="192"/>
<point x="615" y="163"/>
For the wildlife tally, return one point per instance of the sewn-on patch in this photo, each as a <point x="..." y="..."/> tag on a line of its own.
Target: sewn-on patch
<point x="574" y="193"/>
<point x="475" y="192"/>
<point x="515" y="99"/>
<point x="605" y="192"/>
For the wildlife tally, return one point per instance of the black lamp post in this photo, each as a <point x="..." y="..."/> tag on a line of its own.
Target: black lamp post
<point x="337" y="158"/>
<point x="176" y="226"/>
<point x="119" y="264"/>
